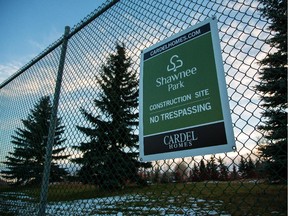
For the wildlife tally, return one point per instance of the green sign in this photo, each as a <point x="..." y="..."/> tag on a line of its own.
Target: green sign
<point x="184" y="108"/>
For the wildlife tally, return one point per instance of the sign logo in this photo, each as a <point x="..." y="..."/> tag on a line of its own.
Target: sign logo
<point x="175" y="63"/>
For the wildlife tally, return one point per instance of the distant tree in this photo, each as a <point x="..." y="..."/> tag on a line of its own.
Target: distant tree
<point x="165" y="177"/>
<point x="212" y="169"/>
<point x="203" y="171"/>
<point x="195" y="173"/>
<point x="259" y="169"/>
<point x="250" y="168"/>
<point x="234" y="174"/>
<point x="273" y="89"/>
<point x="223" y="170"/>
<point x="25" y="163"/>
<point x="243" y="167"/>
<point x="180" y="172"/>
<point x="247" y="168"/>
<point x="110" y="157"/>
<point x="156" y="176"/>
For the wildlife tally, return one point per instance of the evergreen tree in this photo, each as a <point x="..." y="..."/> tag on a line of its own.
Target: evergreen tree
<point x="195" y="173"/>
<point x="180" y="172"/>
<point x="243" y="167"/>
<point x="273" y="89"/>
<point x="250" y="168"/>
<point x="212" y="169"/>
<point x="223" y="170"/>
<point x="203" y="171"/>
<point x="25" y="163"/>
<point x="234" y="174"/>
<point x="156" y="177"/>
<point x="165" y="177"/>
<point x="110" y="156"/>
<point x="247" y="167"/>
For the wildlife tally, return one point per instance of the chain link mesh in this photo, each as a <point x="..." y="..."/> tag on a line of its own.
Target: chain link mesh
<point x="202" y="185"/>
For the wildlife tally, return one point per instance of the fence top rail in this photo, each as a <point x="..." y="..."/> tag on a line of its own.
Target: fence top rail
<point x="96" y="13"/>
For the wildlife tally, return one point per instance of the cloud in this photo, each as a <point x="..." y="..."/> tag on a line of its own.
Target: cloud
<point x="46" y="40"/>
<point x="8" y="69"/>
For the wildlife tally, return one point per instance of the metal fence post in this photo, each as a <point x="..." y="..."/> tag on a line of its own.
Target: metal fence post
<point x="53" y="120"/>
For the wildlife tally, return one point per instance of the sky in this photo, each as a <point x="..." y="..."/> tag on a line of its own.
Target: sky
<point x="29" y="27"/>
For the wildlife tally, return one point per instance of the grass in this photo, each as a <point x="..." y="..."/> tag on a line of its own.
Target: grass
<point x="235" y="198"/>
<point x="239" y="198"/>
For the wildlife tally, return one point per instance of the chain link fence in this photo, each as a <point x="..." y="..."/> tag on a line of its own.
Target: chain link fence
<point x="223" y="184"/>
